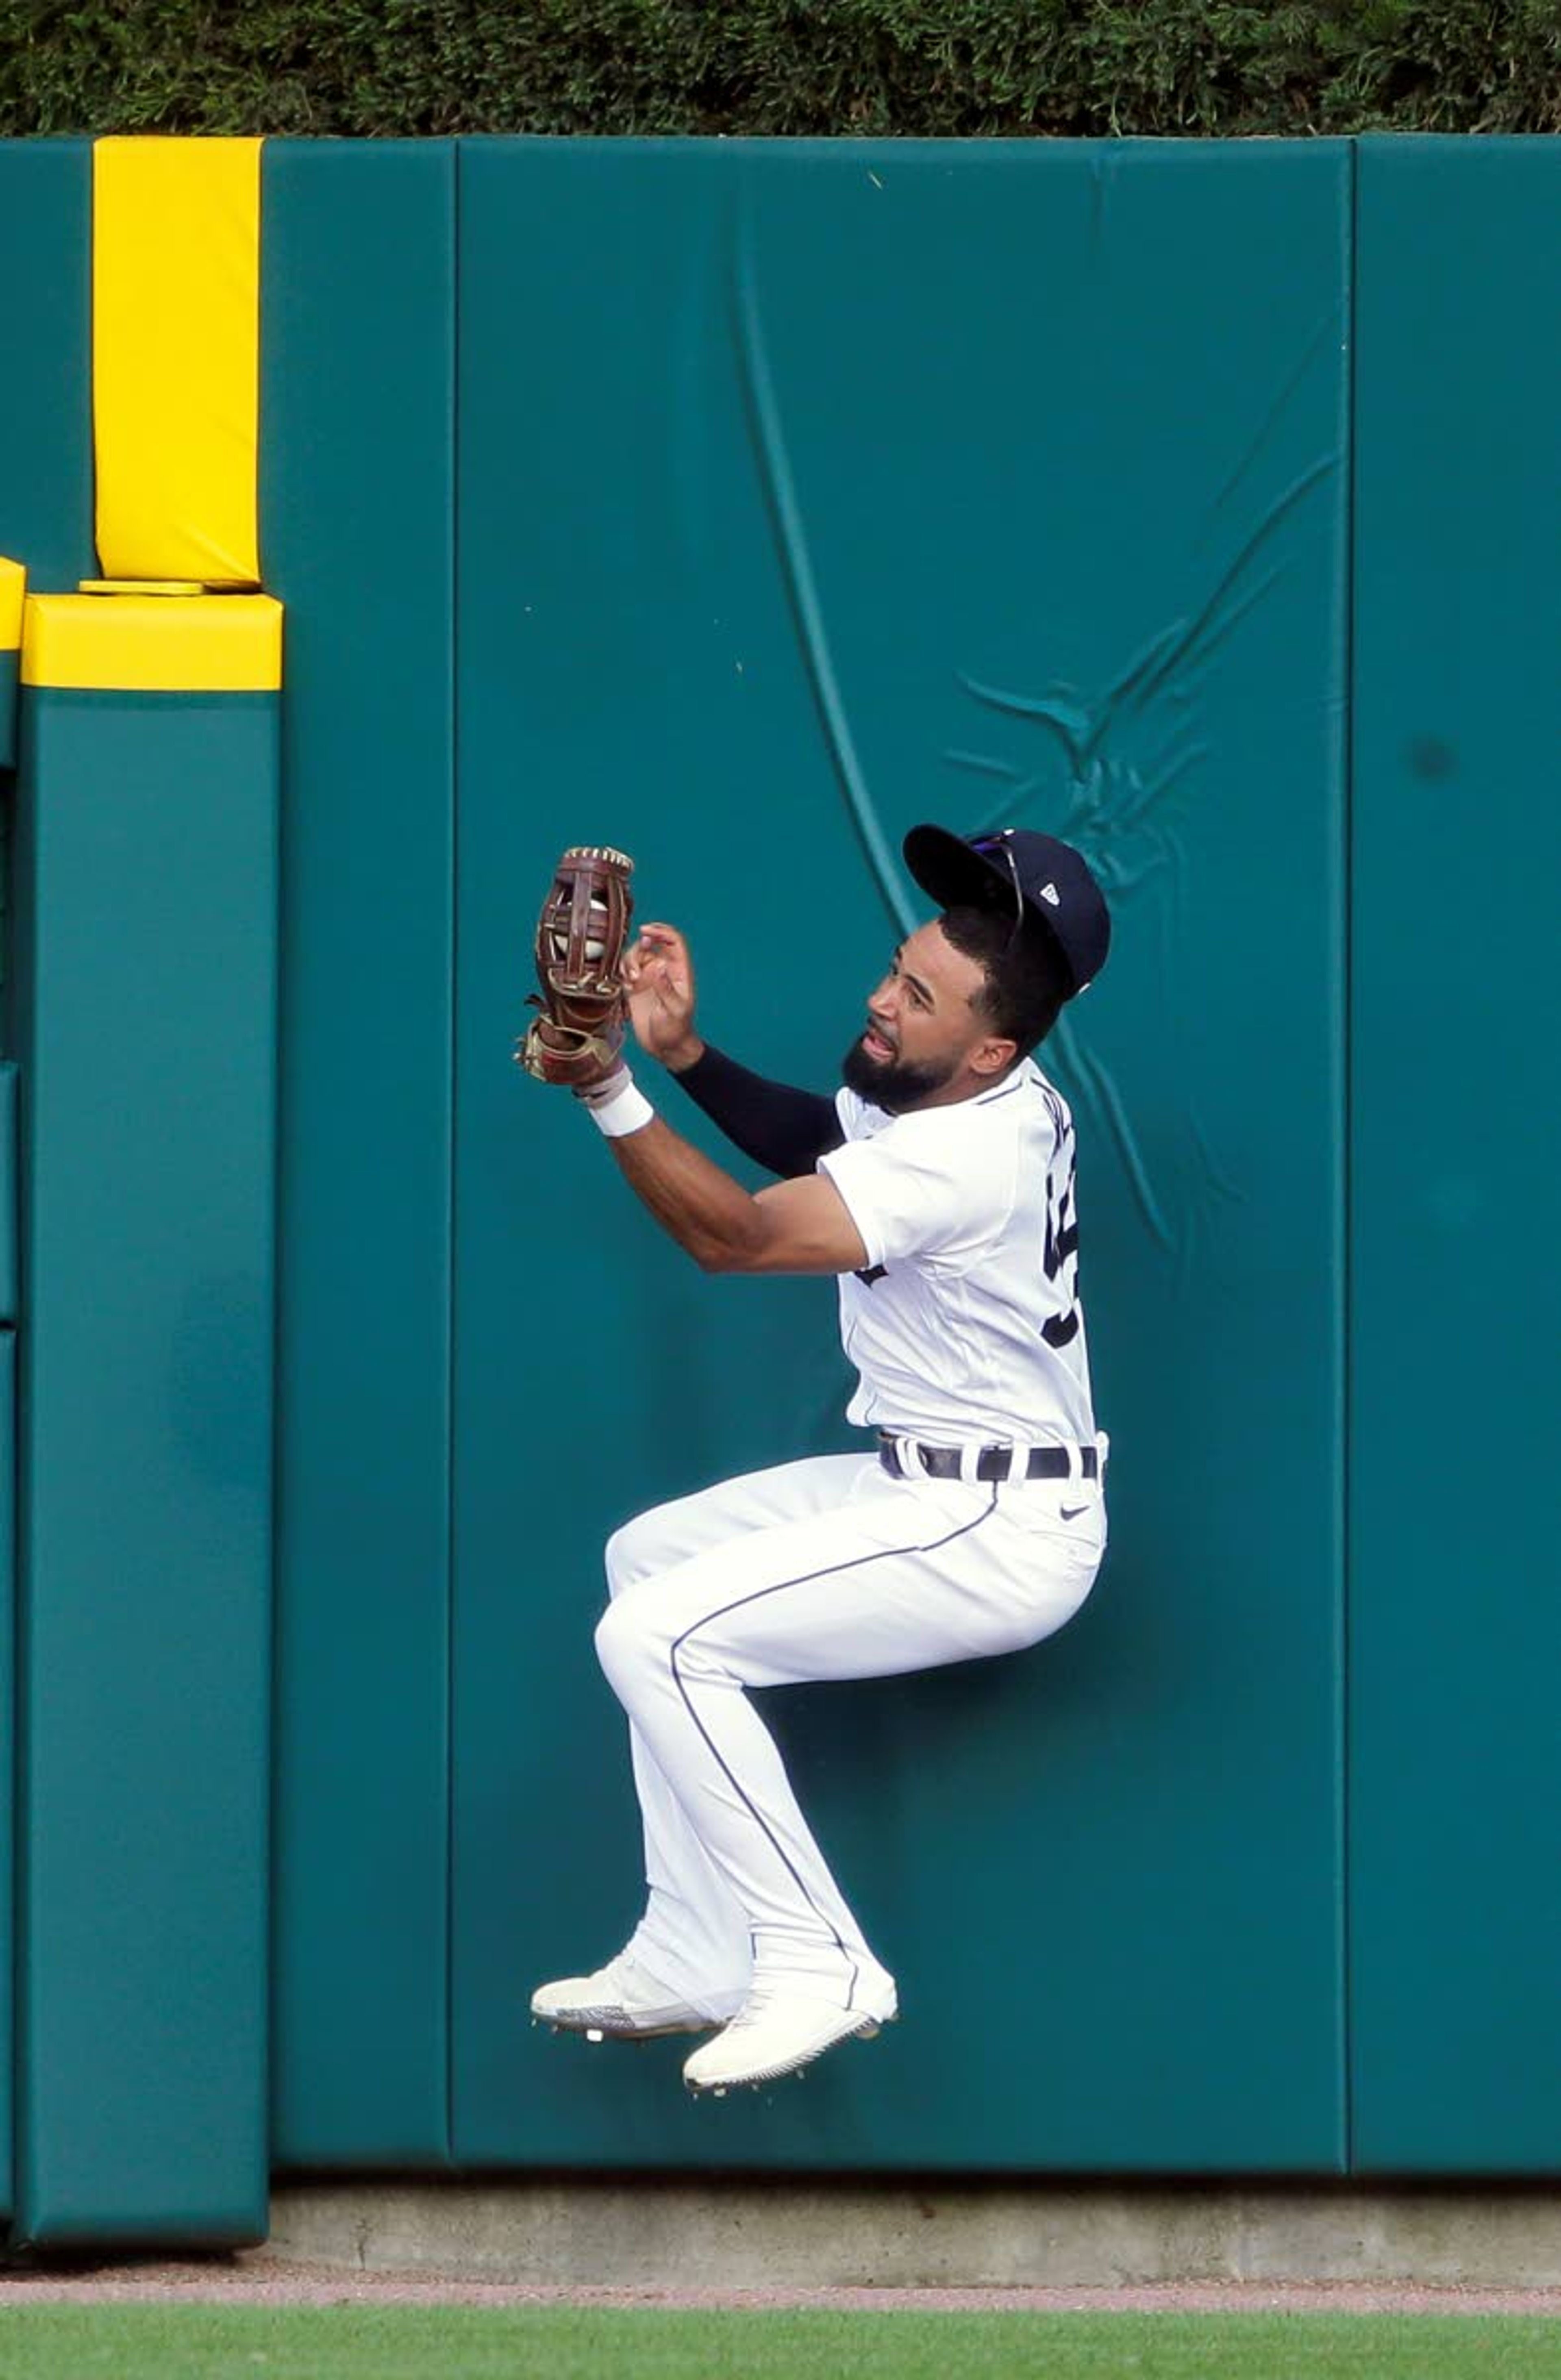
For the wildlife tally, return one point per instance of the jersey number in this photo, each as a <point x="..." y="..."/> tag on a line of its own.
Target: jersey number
<point x="1061" y="1259"/>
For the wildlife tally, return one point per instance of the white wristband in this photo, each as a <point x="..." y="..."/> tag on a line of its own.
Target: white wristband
<point x="627" y="1111"/>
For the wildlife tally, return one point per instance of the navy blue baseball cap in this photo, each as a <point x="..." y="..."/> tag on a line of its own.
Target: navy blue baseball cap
<point x="1030" y="875"/>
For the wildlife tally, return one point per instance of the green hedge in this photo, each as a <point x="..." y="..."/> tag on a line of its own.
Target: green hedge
<point x="915" y="67"/>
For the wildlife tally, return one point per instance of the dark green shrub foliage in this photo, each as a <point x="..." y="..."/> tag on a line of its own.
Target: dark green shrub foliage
<point x="907" y="66"/>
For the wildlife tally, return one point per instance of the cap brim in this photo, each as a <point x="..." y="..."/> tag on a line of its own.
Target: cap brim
<point x="944" y="866"/>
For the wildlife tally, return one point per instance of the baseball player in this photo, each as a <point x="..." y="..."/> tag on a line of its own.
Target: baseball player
<point x="937" y="1186"/>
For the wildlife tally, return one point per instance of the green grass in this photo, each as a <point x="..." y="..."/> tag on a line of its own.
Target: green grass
<point x="174" y="2342"/>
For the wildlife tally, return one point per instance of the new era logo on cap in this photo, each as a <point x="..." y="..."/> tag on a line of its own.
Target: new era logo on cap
<point x="1049" y="892"/>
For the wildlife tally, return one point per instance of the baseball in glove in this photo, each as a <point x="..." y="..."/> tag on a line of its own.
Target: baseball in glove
<point x="577" y="1040"/>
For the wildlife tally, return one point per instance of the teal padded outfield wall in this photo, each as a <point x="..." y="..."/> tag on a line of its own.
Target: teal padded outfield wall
<point x="357" y="500"/>
<point x="744" y="503"/>
<point x="145" y="889"/>
<point x="46" y="375"/>
<point x="1455" y="1649"/>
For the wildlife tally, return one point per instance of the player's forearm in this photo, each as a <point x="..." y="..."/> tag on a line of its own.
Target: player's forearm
<point x="785" y="1130"/>
<point x="709" y="1215"/>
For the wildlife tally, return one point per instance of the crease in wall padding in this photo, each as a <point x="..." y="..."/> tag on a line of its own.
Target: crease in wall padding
<point x="13" y="592"/>
<point x="176" y="358"/>
<point x="140" y="586"/>
<point x="200" y="644"/>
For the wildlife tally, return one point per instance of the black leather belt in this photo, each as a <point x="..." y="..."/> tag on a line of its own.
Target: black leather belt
<point x="992" y="1462"/>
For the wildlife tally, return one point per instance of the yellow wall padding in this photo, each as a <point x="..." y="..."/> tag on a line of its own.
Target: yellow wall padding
<point x="13" y="587"/>
<point x="197" y="644"/>
<point x="176" y="358"/>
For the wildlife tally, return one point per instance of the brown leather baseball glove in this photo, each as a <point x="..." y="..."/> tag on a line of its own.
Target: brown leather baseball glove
<point x="577" y="1040"/>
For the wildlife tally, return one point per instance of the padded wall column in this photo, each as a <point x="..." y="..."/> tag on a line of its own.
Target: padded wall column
<point x="7" y="1698"/>
<point x="13" y="581"/>
<point x="45" y="377"/>
<point x="176" y="350"/>
<point x="357" y="498"/>
<point x="146" y="885"/>
<point x="1455" y="1301"/>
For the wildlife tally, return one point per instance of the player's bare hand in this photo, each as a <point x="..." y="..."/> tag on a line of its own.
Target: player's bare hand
<point x="658" y="977"/>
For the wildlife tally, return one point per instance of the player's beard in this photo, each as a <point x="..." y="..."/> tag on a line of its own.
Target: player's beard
<point x="895" y="1084"/>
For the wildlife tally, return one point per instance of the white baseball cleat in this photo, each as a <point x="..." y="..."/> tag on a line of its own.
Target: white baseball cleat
<point x="778" y="2032"/>
<point x="619" y="2002"/>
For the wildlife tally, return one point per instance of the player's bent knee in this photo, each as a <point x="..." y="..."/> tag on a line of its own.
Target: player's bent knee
<point x="626" y="1642"/>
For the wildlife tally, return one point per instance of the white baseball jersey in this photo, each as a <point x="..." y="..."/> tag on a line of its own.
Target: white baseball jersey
<point x="965" y="1327"/>
<point x="965" y="1324"/>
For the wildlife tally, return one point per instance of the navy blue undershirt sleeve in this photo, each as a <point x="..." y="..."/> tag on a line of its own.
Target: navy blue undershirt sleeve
<point x="785" y="1130"/>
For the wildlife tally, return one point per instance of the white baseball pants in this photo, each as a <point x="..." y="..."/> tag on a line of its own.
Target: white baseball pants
<point x="824" y="1569"/>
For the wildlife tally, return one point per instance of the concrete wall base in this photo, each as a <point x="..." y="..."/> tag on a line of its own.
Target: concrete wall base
<point x="660" y="2232"/>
